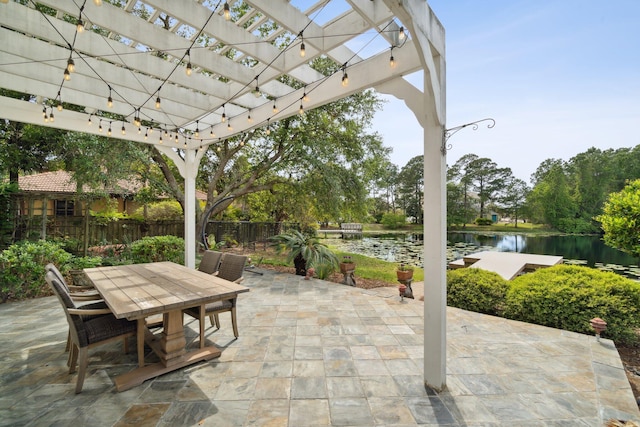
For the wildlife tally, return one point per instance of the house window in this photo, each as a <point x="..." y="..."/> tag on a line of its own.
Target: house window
<point x="64" y="207"/>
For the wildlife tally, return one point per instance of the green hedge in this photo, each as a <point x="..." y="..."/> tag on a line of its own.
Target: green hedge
<point x="476" y="290"/>
<point x="158" y="248"/>
<point x="22" y="268"/>
<point x="567" y="297"/>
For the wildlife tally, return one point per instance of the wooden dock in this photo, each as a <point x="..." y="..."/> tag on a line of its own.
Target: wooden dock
<point x="506" y="264"/>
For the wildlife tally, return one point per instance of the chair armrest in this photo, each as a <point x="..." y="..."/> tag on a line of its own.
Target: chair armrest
<point x="81" y="297"/>
<point x="73" y="288"/>
<point x="238" y="280"/>
<point x="89" y="312"/>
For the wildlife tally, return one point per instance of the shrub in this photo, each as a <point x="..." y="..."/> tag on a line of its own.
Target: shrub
<point x="567" y="297"/>
<point x="393" y="221"/>
<point x="483" y="221"/>
<point x="166" y="210"/>
<point x="158" y="248"/>
<point x="22" y="266"/>
<point x="477" y="290"/>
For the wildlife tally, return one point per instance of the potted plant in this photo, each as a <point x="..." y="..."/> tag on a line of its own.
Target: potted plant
<point x="305" y="251"/>
<point x="404" y="272"/>
<point x="347" y="264"/>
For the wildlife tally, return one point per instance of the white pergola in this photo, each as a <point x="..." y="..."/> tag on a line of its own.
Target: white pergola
<point x="139" y="53"/>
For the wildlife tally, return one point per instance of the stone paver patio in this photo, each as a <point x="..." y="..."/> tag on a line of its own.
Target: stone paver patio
<point x="314" y="353"/>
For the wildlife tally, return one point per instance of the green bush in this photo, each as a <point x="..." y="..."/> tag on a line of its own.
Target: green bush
<point x="160" y="211"/>
<point x="483" y="221"/>
<point x="567" y="297"/>
<point x="393" y="221"/>
<point x="477" y="290"/>
<point x="22" y="268"/>
<point x="158" y="248"/>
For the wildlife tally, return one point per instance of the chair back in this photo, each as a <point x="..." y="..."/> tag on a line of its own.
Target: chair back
<point x="53" y="269"/>
<point x="232" y="267"/>
<point x="76" y="323"/>
<point x="210" y="262"/>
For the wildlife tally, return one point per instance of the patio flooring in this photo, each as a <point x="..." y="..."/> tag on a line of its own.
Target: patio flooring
<point x="314" y="353"/>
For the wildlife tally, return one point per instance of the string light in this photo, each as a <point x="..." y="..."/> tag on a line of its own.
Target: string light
<point x="227" y="11"/>
<point x="124" y="132"/>
<point x="160" y="141"/>
<point x="268" y="131"/>
<point x="146" y="134"/>
<point x="229" y="128"/>
<point x="51" y="117"/>
<point x="345" y="77"/>
<point x="139" y="130"/>
<point x="89" y="122"/>
<point x="275" y="108"/>
<point x="392" y="61"/>
<point x="166" y="133"/>
<point x="97" y="2"/>
<point x="305" y="97"/>
<point x="249" y="119"/>
<point x="158" y="102"/>
<point x="301" y="110"/>
<point x="100" y="126"/>
<point x="71" y="66"/>
<point x="44" y="112"/>
<point x="109" y="99"/>
<point x="213" y="135"/>
<point x="109" y="130"/>
<point x="59" y="99"/>
<point x="80" y="25"/>
<point x="256" y="91"/>
<point x="401" y="34"/>
<point x="188" y="70"/>
<point x="67" y="75"/>
<point x="224" y="115"/>
<point x="197" y="133"/>
<point x="303" y="51"/>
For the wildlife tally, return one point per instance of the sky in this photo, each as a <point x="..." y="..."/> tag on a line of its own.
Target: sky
<point x="557" y="76"/>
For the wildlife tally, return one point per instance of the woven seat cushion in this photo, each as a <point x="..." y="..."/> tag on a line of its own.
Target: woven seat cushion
<point x="107" y="326"/>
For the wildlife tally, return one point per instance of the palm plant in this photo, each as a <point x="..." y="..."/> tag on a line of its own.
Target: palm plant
<point x="305" y="251"/>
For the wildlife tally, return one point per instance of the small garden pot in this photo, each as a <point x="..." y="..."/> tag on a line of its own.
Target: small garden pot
<point x="403" y="275"/>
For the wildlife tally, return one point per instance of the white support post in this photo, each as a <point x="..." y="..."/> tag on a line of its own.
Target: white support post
<point x="435" y="256"/>
<point x="190" y="172"/>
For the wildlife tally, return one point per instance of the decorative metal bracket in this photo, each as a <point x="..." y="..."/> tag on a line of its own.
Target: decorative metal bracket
<point x="448" y="133"/>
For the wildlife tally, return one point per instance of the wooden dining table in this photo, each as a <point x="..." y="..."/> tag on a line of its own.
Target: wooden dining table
<point x="139" y="291"/>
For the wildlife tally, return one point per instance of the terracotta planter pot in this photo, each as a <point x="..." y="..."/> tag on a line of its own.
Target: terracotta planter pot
<point x="404" y="274"/>
<point x="347" y="266"/>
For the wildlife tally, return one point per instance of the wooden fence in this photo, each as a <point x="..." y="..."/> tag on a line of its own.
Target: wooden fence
<point x="74" y="231"/>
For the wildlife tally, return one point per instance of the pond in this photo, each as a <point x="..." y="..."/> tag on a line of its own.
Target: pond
<point x="584" y="250"/>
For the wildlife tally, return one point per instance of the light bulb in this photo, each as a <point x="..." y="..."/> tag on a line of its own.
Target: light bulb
<point x="146" y="135"/>
<point x="197" y="134"/>
<point x="124" y="132"/>
<point x="71" y="66"/>
<point x="188" y="71"/>
<point x="97" y="2"/>
<point x="401" y="34"/>
<point x="109" y="101"/>
<point x="160" y="141"/>
<point x="157" y="102"/>
<point x="51" y="118"/>
<point x="303" y="51"/>
<point x="275" y="108"/>
<point x="223" y="118"/>
<point x="67" y="75"/>
<point x="301" y="110"/>
<point x="345" y="80"/>
<point x="109" y="131"/>
<point x="80" y="26"/>
<point x="59" y="106"/>
<point x="392" y="62"/>
<point x="89" y="122"/>
<point x="249" y="119"/>
<point x="305" y="97"/>
<point x="227" y="11"/>
<point x="229" y="128"/>
<point x="211" y="134"/>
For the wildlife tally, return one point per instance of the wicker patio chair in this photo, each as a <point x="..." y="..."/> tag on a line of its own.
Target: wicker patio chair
<point x="210" y="262"/>
<point x="231" y="268"/>
<point x="86" y="333"/>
